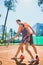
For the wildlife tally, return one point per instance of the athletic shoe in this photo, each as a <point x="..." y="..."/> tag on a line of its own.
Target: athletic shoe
<point x="37" y="59"/>
<point x="22" y="57"/>
<point x="31" y="61"/>
<point x="13" y="58"/>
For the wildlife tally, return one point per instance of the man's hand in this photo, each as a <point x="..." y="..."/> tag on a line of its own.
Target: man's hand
<point x="13" y="37"/>
<point x="9" y="40"/>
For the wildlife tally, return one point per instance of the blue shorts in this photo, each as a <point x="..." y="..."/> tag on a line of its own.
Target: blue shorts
<point x="31" y="39"/>
<point x="26" y="40"/>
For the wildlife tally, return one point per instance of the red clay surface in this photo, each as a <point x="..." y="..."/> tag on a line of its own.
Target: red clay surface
<point x="6" y="53"/>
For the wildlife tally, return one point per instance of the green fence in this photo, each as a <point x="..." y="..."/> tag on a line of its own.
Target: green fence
<point x="38" y="40"/>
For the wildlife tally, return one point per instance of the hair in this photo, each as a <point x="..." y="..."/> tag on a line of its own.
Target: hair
<point x="22" y="24"/>
<point x="18" y="20"/>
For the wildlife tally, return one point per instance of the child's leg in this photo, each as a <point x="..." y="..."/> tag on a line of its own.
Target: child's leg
<point x="20" y="48"/>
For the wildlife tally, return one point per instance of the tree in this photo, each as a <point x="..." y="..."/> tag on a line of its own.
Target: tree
<point x="11" y="5"/>
<point x="40" y="4"/>
<point x="14" y="32"/>
<point x="5" y="35"/>
<point x="11" y="32"/>
<point x="14" y="35"/>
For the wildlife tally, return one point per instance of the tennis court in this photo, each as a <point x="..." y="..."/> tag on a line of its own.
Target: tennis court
<point x="6" y="53"/>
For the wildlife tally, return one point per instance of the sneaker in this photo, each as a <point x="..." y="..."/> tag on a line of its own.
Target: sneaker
<point x="22" y="57"/>
<point x="31" y="61"/>
<point x="13" y="58"/>
<point x="37" y="58"/>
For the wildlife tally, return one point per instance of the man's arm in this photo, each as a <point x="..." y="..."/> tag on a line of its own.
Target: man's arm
<point x="14" y="37"/>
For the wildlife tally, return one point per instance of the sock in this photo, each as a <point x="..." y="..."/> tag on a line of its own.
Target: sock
<point x="36" y="54"/>
<point x="32" y="59"/>
<point x="21" y="53"/>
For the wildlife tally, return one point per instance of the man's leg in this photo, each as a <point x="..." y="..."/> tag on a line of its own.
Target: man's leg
<point x="22" y="51"/>
<point x="31" y="43"/>
<point x="32" y="58"/>
<point x="26" y="47"/>
<point x="35" y="50"/>
<point x="20" y="48"/>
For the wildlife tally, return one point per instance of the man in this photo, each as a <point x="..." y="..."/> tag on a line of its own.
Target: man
<point x="27" y="38"/>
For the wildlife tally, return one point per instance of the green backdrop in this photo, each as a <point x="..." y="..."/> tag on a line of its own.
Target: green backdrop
<point x="38" y="40"/>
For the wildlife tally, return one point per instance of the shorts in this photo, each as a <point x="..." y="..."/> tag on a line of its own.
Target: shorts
<point x="31" y="39"/>
<point x="27" y="40"/>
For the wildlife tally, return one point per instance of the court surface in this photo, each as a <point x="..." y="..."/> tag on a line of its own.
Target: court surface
<point x="6" y="53"/>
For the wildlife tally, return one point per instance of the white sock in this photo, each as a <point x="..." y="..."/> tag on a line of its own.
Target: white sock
<point x="32" y="59"/>
<point x="36" y="54"/>
<point x="21" y="53"/>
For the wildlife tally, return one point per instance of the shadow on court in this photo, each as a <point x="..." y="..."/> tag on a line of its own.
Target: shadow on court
<point x="0" y="62"/>
<point x="35" y="63"/>
<point x="6" y="53"/>
<point x="19" y="62"/>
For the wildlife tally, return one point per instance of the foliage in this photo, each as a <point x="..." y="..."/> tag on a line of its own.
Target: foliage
<point x="11" y="4"/>
<point x="40" y="4"/>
